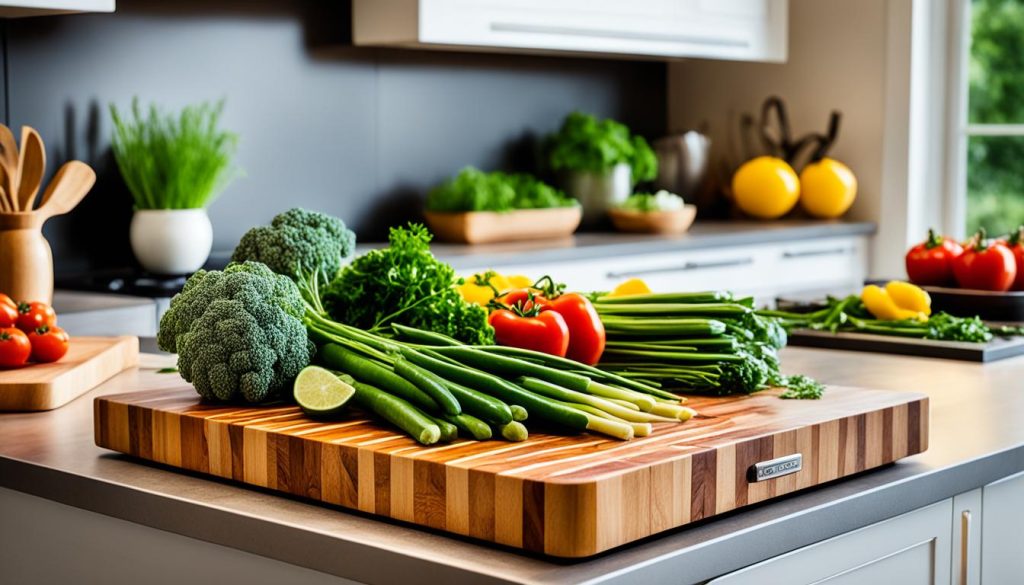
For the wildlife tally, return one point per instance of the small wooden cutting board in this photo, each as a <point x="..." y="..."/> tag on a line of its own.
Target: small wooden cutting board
<point x="566" y="496"/>
<point x="89" y="362"/>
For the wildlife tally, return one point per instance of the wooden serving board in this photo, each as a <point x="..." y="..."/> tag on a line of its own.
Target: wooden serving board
<point x="89" y="362"/>
<point x="997" y="349"/>
<point x="566" y="496"/>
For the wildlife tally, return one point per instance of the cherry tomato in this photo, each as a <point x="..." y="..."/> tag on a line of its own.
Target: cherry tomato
<point x="34" y="315"/>
<point x="6" y="300"/>
<point x="14" y="347"/>
<point x="931" y="261"/>
<point x="8" y="315"/>
<point x="985" y="266"/>
<point x="49" y="344"/>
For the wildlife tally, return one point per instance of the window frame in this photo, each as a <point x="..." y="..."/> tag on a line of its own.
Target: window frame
<point x="959" y="128"/>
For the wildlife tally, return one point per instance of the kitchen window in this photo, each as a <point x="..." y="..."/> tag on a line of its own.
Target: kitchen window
<point x="988" y="155"/>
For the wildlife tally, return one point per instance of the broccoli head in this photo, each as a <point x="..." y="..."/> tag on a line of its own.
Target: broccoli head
<point x="298" y="240"/>
<point x="237" y="332"/>
<point x="235" y="349"/>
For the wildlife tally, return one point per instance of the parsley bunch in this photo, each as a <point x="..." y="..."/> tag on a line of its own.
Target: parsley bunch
<point x="405" y="284"/>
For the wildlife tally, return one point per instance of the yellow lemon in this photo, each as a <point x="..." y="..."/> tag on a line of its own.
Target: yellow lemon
<point x="766" y="187"/>
<point x="827" y="188"/>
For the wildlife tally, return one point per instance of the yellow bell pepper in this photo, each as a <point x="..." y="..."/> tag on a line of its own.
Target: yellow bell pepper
<point x="480" y="288"/>
<point x="909" y="296"/>
<point x="633" y="286"/>
<point x="896" y="302"/>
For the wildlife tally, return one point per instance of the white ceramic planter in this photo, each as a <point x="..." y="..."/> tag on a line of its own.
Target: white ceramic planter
<point x="171" y="241"/>
<point x="599" y="192"/>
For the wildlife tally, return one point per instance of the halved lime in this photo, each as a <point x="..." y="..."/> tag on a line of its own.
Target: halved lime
<point x="320" y="393"/>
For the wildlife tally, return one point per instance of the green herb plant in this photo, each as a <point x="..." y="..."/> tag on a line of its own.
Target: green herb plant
<point x="584" y="143"/>
<point x="173" y="162"/>
<point x="475" y="190"/>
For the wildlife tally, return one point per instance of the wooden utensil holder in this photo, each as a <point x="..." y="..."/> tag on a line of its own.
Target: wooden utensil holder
<point x="26" y="263"/>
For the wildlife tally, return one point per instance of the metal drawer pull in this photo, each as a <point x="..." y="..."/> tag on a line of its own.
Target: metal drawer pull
<point x="784" y="465"/>
<point x="627" y="35"/>
<point x="965" y="544"/>
<point x="825" y="252"/>
<point x="685" y="267"/>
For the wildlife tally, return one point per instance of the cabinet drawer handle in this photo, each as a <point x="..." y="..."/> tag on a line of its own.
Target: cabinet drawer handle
<point x="809" y="253"/>
<point x="683" y="267"/>
<point x="965" y="544"/>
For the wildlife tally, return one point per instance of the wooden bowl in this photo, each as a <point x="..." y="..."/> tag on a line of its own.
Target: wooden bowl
<point x="483" y="227"/>
<point x="675" y="221"/>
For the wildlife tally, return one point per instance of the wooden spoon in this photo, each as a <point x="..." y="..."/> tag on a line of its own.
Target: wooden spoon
<point x="31" y="166"/>
<point x="5" y="206"/>
<point x="66" y="189"/>
<point x="9" y="161"/>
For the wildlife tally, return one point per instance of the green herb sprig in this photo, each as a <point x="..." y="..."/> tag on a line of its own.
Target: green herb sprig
<point x="173" y="162"/>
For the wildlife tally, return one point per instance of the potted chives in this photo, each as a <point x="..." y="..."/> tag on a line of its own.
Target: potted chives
<point x="174" y="167"/>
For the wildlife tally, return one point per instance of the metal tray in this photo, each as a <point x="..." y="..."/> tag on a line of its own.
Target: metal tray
<point x="997" y="349"/>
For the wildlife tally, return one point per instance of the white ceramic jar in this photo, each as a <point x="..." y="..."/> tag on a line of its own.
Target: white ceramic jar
<point x="171" y="241"/>
<point x="599" y="192"/>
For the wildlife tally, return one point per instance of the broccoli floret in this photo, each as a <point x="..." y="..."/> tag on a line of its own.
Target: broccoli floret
<point x="298" y="240"/>
<point x="250" y="282"/>
<point x="238" y="332"/>
<point x="237" y="349"/>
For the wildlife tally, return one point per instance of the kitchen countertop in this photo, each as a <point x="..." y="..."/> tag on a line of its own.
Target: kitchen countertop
<point x="588" y="245"/>
<point x="976" y="438"/>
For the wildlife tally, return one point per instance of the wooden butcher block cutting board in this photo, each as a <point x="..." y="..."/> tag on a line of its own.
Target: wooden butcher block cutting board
<point x="89" y="362"/>
<point x="566" y="496"/>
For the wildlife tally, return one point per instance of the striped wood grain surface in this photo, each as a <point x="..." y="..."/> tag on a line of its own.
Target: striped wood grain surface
<point x="567" y="496"/>
<point x="89" y="362"/>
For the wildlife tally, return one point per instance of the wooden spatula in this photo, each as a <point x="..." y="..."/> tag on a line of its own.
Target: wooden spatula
<point x="9" y="161"/>
<point x="31" y="166"/>
<point x="66" y="189"/>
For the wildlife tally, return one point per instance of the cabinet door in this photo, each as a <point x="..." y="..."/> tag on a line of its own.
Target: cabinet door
<point x="1002" y="552"/>
<point x="745" y="30"/>
<point x="910" y="549"/>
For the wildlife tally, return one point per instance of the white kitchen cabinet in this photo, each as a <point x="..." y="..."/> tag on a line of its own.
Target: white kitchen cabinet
<point x="20" y="8"/>
<point x="764" y="271"/>
<point x="912" y="549"/>
<point x="1002" y="519"/>
<point x="971" y="539"/>
<point x="742" y="30"/>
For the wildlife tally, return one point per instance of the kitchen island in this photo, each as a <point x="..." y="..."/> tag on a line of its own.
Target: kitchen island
<point x="976" y="439"/>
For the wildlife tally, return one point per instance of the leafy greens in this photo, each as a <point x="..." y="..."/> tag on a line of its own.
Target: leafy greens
<point x="475" y="190"/>
<point x="405" y="284"/>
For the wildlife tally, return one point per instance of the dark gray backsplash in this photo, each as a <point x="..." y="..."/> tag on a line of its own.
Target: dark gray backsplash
<point x="360" y="133"/>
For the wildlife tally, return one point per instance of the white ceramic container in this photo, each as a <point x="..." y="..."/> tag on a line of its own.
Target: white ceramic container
<point x="171" y="241"/>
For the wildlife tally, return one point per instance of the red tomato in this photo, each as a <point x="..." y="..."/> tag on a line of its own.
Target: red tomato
<point x="586" y="332"/>
<point x="49" y="344"/>
<point x="1016" y="245"/>
<point x="546" y="332"/>
<point x="6" y="300"/>
<point x="985" y="266"/>
<point x="33" y="315"/>
<point x="8" y="315"/>
<point x="931" y="261"/>
<point x="14" y="347"/>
